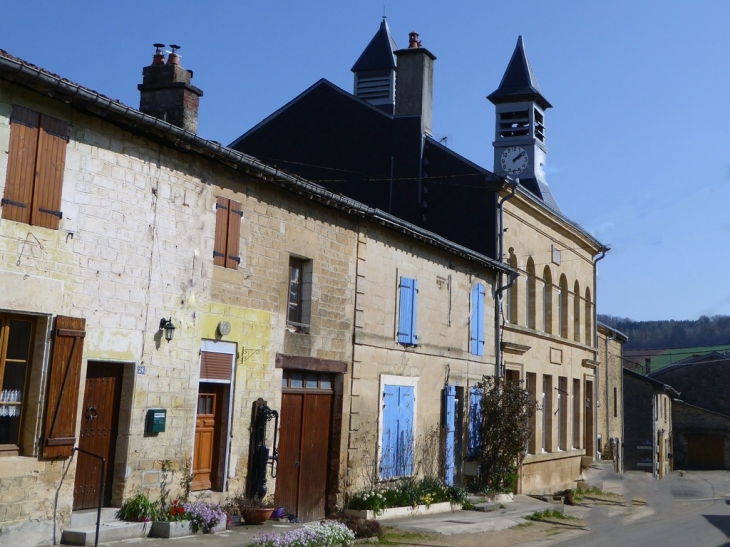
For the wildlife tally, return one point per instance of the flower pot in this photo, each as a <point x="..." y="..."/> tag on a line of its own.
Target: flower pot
<point x="236" y="520"/>
<point x="229" y="523"/>
<point x="257" y="516"/>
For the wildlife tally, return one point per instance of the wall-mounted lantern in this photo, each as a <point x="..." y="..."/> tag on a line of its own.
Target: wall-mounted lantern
<point x="167" y="326"/>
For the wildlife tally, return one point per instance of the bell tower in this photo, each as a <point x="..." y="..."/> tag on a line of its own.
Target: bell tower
<point x="519" y="140"/>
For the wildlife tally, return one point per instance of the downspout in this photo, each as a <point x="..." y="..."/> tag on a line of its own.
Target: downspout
<point x="608" y="391"/>
<point x="623" y="412"/>
<point x="604" y="249"/>
<point x="512" y="184"/>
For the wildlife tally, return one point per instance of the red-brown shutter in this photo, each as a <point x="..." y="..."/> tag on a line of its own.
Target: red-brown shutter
<point x="63" y="387"/>
<point x="24" y="128"/>
<point x="235" y="214"/>
<point x="50" y="164"/>
<point x="215" y="366"/>
<point x="221" y="231"/>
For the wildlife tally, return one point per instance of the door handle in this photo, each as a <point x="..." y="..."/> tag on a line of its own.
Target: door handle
<point x="92" y="412"/>
<point x="296" y="463"/>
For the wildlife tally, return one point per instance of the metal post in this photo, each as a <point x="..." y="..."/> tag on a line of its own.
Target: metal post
<point x="101" y="489"/>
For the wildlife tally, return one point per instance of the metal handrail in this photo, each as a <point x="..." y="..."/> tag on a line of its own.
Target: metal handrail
<point x="101" y="489"/>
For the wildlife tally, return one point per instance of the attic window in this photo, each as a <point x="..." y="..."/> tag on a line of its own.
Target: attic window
<point x="539" y="126"/>
<point x="514" y="124"/>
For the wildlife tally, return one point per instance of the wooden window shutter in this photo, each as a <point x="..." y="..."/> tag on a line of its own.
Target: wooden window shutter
<point x="221" y="231"/>
<point x="63" y="387"/>
<point x="477" y="319"/>
<point x="405" y="311"/>
<point x="235" y="214"/>
<point x="50" y="164"/>
<point x="24" y="128"/>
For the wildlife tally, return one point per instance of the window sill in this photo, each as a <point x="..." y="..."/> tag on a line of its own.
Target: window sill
<point x="300" y="328"/>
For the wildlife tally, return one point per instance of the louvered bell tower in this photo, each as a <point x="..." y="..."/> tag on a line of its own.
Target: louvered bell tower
<point x="519" y="144"/>
<point x="375" y="71"/>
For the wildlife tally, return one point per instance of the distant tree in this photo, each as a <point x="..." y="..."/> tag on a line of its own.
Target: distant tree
<point x="705" y="331"/>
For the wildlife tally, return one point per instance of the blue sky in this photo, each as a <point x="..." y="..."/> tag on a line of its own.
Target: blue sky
<point x="639" y="153"/>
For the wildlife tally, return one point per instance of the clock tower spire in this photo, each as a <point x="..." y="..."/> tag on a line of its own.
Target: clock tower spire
<point x="519" y="144"/>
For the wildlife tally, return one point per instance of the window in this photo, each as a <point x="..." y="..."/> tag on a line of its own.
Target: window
<point x="588" y="317"/>
<point x="547" y="301"/>
<point x="531" y="387"/>
<point x="563" y="306"/>
<point x="300" y="292"/>
<point x="36" y="161"/>
<point x="576" y="311"/>
<point x="615" y="403"/>
<point x="477" y="320"/>
<point x="397" y="426"/>
<point x="547" y="413"/>
<point x="513" y="292"/>
<point x="530" y="300"/>
<point x="227" y="233"/>
<point x="301" y="379"/>
<point x="576" y="413"/>
<point x="562" y="413"/>
<point x="16" y="335"/>
<point x="408" y="292"/>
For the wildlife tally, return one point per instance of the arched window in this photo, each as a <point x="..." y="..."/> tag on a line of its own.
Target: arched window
<point x="576" y="311"/>
<point x="547" y="300"/>
<point x="512" y="293"/>
<point x="530" y="294"/>
<point x="589" y="317"/>
<point x="563" y="306"/>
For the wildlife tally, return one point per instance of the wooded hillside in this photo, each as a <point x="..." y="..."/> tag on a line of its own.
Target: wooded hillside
<point x="705" y="331"/>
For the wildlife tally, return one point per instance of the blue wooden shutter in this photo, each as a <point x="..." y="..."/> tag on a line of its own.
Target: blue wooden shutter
<point x="408" y="289"/>
<point x="477" y="319"/>
<point x="397" y="440"/>
<point x="475" y="420"/>
<point x="450" y="425"/>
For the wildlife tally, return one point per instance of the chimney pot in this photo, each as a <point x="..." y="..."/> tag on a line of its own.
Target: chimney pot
<point x="158" y="58"/>
<point x="413" y="41"/>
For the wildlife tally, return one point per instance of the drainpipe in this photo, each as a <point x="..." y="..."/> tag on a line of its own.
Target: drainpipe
<point x="603" y="250"/>
<point x="608" y="391"/>
<point x="623" y="411"/>
<point x="512" y="184"/>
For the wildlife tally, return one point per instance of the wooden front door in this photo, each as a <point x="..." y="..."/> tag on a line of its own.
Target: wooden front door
<point x="304" y="451"/>
<point x="207" y="436"/>
<point x="99" y="421"/>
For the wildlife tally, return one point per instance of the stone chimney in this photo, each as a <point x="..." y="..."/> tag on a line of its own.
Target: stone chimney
<point x="647" y="366"/>
<point x="166" y="92"/>
<point x="414" y="82"/>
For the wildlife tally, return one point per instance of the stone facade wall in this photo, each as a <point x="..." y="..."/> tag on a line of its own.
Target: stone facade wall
<point x="639" y="433"/>
<point x="610" y="390"/>
<point x="702" y="384"/>
<point x="134" y="245"/>
<point x="442" y="354"/>
<point x="538" y="349"/>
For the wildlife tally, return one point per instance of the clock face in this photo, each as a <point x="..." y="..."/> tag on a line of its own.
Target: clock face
<point x="514" y="160"/>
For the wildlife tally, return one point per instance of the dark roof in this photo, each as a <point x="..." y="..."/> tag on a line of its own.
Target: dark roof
<point x="656" y="383"/>
<point x="130" y="119"/>
<point x="519" y="82"/>
<point x="540" y="190"/>
<point x="379" y="54"/>
<point x="617" y="333"/>
<point x="707" y="358"/>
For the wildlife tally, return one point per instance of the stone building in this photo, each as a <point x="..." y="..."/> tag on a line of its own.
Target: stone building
<point x="701" y="420"/>
<point x="648" y="434"/>
<point x="379" y="142"/>
<point x="118" y="226"/>
<point x="609" y="387"/>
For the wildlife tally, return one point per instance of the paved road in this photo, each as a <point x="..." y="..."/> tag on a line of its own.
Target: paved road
<point x="688" y="509"/>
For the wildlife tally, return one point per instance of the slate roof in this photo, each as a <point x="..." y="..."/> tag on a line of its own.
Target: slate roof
<point x="713" y="357"/>
<point x="651" y="381"/>
<point x="519" y="82"/>
<point x="379" y="53"/>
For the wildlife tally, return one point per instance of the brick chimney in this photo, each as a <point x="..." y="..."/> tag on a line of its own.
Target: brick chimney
<point x="414" y="82"/>
<point x="166" y="92"/>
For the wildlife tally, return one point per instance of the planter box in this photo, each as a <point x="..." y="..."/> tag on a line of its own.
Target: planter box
<point x="400" y="512"/>
<point x="179" y="529"/>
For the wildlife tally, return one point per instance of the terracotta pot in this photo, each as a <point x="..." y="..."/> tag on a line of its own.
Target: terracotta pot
<point x="257" y="516"/>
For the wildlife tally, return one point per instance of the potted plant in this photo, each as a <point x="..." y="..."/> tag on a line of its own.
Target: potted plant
<point x="138" y="508"/>
<point x="255" y="510"/>
<point x="232" y="511"/>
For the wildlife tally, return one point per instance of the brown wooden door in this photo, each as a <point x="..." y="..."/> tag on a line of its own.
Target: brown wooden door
<point x="99" y="421"/>
<point x="207" y="436"/>
<point x="304" y="447"/>
<point x="706" y="452"/>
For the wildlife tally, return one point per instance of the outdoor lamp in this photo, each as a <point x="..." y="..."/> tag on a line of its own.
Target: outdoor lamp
<point x="168" y="327"/>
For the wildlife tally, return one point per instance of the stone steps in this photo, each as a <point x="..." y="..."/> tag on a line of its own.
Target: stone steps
<point x="82" y="529"/>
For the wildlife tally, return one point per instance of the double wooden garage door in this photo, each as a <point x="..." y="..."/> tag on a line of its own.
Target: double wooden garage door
<point x="706" y="452"/>
<point x="304" y="450"/>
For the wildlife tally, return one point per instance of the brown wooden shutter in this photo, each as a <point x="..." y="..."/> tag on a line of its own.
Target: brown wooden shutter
<point x="50" y="164"/>
<point x="215" y="366"/>
<point x="235" y="214"/>
<point x="63" y="387"/>
<point x="221" y="231"/>
<point x="24" y="128"/>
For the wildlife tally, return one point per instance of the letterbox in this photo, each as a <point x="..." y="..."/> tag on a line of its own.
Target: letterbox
<point x="156" y="418"/>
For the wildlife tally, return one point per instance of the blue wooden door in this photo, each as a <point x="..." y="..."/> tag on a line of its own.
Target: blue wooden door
<point x="450" y="426"/>
<point x="475" y="420"/>
<point x="397" y="441"/>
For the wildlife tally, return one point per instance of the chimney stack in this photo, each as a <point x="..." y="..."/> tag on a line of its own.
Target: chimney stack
<point x="166" y="92"/>
<point x="414" y="82"/>
<point x="647" y="366"/>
